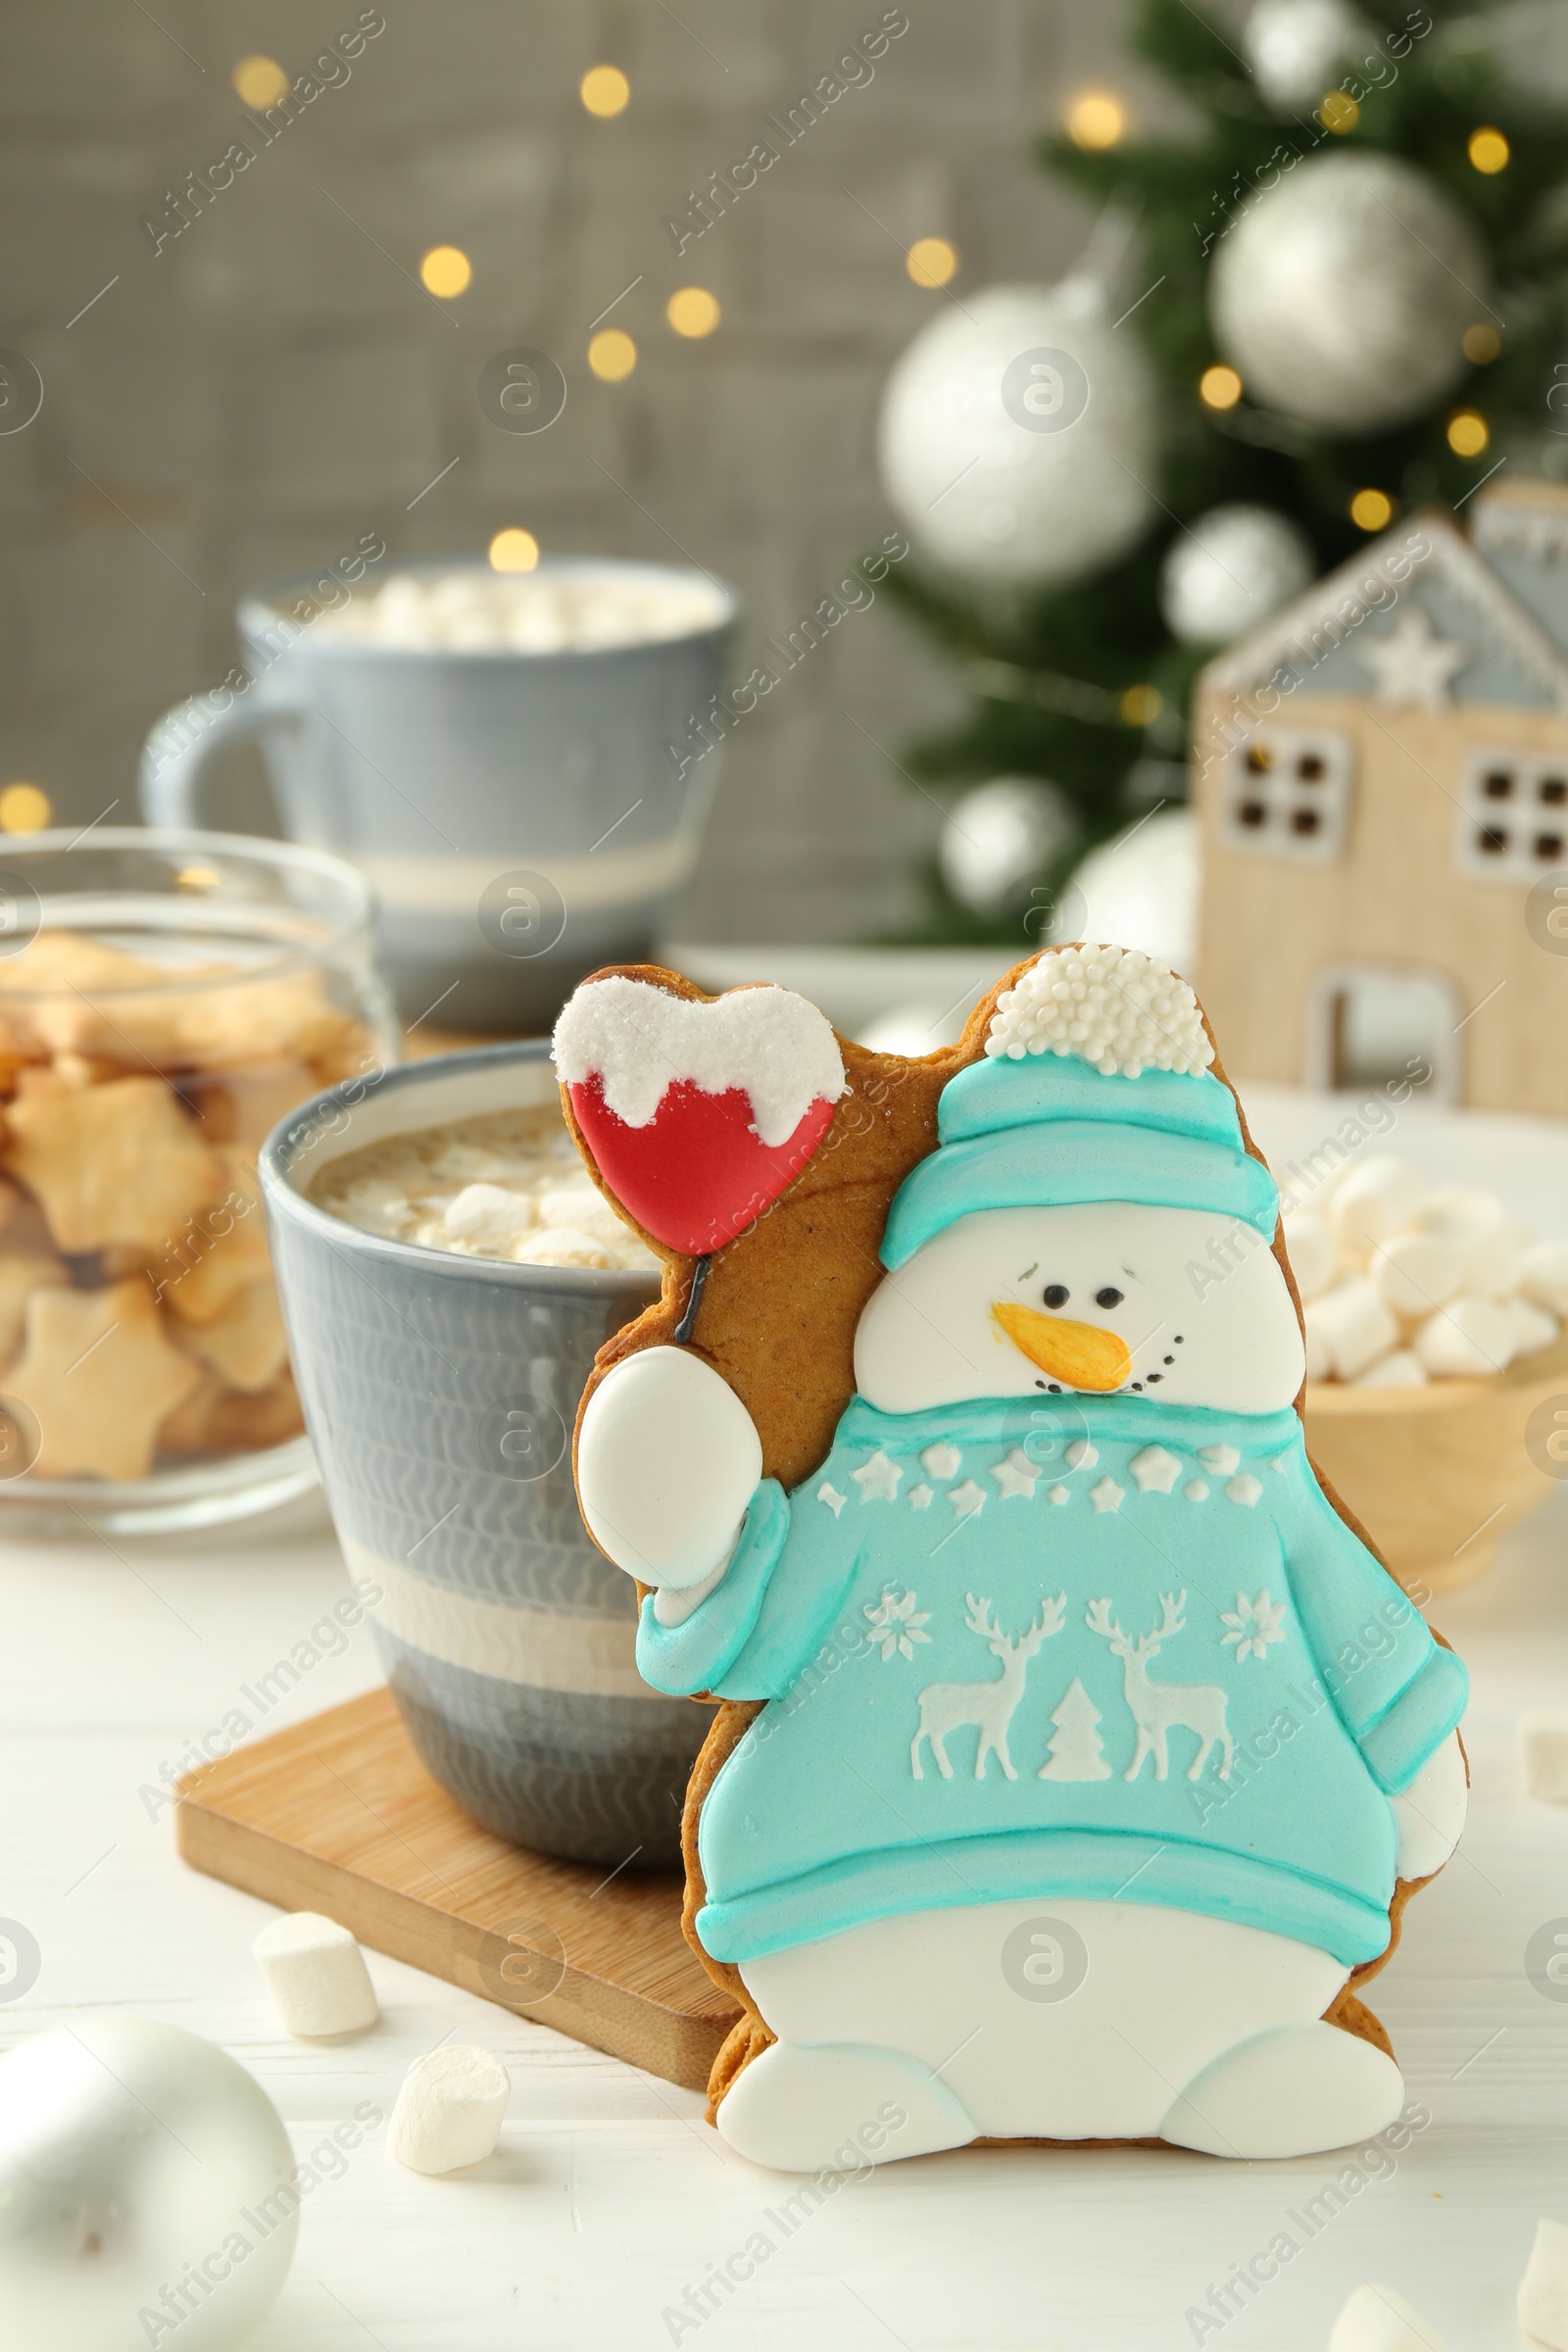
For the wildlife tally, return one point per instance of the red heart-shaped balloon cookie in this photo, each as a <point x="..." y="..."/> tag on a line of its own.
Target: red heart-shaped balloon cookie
<point x="698" y="1114"/>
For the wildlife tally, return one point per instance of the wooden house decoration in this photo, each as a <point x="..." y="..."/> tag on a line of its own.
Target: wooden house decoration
<point x="1381" y="778"/>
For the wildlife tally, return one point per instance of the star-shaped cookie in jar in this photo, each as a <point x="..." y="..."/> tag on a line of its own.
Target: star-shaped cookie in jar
<point x="97" y="1376"/>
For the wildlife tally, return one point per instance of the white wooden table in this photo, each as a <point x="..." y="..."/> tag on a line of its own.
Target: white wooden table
<point x="609" y="2195"/>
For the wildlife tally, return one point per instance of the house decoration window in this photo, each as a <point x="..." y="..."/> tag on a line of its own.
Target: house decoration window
<point x="1512" y="824"/>
<point x="1286" y="793"/>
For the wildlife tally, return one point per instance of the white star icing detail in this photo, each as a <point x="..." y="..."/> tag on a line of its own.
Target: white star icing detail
<point x="1254" y="1625"/>
<point x="1197" y="1490"/>
<point x="896" y="1623"/>
<point x="1156" y="1470"/>
<point x="828" y="1492"/>
<point x="1081" y="1455"/>
<point x="1221" y="1459"/>
<point x="921" y="1496"/>
<point x="941" y="1461"/>
<point x="1410" y="665"/>
<point x="1059" y="1494"/>
<point x="877" y="1478"/>
<point x="1016" y="1475"/>
<point x="968" y="1499"/>
<point x="1243" y="1489"/>
<point x="1107" y="1497"/>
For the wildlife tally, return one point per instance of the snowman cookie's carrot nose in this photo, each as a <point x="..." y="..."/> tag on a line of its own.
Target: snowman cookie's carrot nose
<point x="1079" y="1354"/>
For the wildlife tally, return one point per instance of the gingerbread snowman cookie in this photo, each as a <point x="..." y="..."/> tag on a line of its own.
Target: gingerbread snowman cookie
<point x="1080" y="1753"/>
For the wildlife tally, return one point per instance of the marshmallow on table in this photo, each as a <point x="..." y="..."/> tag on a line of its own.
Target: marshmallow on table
<point x="1312" y="1250"/>
<point x="449" y="2110"/>
<point x="1544" y="1276"/>
<point x="1544" y="2288"/>
<point x="1471" y="1336"/>
<point x="1544" y="1755"/>
<point x="1377" y="2320"/>
<point x="1400" y="1370"/>
<point x="1377" y="1197"/>
<point x="1352" y="1325"/>
<point x="317" y="1974"/>
<point x="1533" y="1326"/>
<point x="1416" y="1272"/>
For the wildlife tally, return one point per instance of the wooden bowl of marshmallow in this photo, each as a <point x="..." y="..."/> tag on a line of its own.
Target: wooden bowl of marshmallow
<point x="1435" y="1329"/>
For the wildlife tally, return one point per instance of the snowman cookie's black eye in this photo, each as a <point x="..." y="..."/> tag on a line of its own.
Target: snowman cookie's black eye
<point x="1109" y="1297"/>
<point x="1056" y="1294"/>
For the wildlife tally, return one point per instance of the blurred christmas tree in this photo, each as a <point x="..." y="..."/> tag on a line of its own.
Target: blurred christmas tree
<point x="1341" y="298"/>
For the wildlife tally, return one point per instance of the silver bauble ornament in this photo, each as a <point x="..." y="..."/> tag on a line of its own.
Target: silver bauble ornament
<point x="1140" y="891"/>
<point x="147" y="2193"/>
<point x="1229" y="570"/>
<point x="1296" y="48"/>
<point x="1340" y="295"/>
<point x="1018" y="436"/>
<point x="997" y="838"/>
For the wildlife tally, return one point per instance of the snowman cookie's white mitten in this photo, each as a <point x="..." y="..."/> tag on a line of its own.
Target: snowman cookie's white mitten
<point x="667" y="1460"/>
<point x="1429" y="1814"/>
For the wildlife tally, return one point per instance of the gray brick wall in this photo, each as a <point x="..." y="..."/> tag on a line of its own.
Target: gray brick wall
<point x="273" y="381"/>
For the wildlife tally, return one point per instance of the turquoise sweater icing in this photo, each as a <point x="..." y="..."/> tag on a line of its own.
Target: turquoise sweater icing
<point x="1170" y="1584"/>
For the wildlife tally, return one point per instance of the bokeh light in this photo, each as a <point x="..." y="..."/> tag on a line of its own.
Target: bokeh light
<point x="445" y="269"/>
<point x="603" y="91"/>
<point x="260" y="81"/>
<point x="23" y="809"/>
<point x="1338" y="111"/>
<point x="692" y="312"/>
<point x="1219" y="387"/>
<point x="1480" y="343"/>
<point x="514" y="549"/>
<point x="1370" y="510"/>
<point x="931" y="260"/>
<point x="1140" y="706"/>
<point x="1467" y="433"/>
<point x="1095" y="120"/>
<point x="612" y="355"/>
<point x="1488" y="150"/>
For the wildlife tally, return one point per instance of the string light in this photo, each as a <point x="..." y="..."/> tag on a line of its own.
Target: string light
<point x="1095" y="120"/>
<point x="1488" y="150"/>
<point x="446" y="271"/>
<point x="605" y="92"/>
<point x="931" y="260"/>
<point x="1219" y="387"/>
<point x="1467" y="433"/>
<point x="1140" y="706"/>
<point x="23" y="809"/>
<point x="692" y="312"/>
<point x="261" y="81"/>
<point x="1370" y="510"/>
<point x="514" y="549"/>
<point x="1480" y="343"/>
<point x="1339" y="112"/>
<point x="612" y="355"/>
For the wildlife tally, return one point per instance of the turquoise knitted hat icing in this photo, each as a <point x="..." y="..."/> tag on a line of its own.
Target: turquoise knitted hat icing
<point x="1094" y="1086"/>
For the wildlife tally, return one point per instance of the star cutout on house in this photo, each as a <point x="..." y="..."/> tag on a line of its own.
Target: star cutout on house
<point x="1016" y="1474"/>
<point x="1107" y="1497"/>
<point x="877" y="1478"/>
<point x="1156" y="1470"/>
<point x="966" y="1500"/>
<point x="98" y="1375"/>
<point x="1411" y="667"/>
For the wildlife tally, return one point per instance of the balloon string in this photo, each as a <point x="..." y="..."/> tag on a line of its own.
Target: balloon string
<point x="694" y="1299"/>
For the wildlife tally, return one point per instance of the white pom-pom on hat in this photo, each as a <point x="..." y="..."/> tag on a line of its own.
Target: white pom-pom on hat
<point x="1116" y="1008"/>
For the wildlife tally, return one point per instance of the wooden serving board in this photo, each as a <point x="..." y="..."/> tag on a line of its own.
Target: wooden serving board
<point x="338" y="1815"/>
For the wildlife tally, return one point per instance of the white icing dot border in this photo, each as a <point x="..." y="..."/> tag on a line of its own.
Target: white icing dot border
<point x="1122" y="1010"/>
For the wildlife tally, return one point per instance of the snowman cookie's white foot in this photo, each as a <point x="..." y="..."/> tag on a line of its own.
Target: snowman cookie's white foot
<point x="1293" y="2091"/>
<point x="837" y="2107"/>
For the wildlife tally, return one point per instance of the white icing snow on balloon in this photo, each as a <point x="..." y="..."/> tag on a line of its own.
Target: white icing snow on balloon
<point x="1117" y="1008"/>
<point x="1018" y="433"/>
<point x="1341" y="294"/>
<point x="639" y="1041"/>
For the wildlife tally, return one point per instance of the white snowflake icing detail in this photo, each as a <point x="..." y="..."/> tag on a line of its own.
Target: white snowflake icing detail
<point x="1254" y="1625"/>
<point x="1221" y="1459"/>
<point x="1081" y="1455"/>
<point x="1197" y="1490"/>
<point x="1107" y="1497"/>
<point x="921" y="1496"/>
<point x="896" y="1623"/>
<point x="941" y="1461"/>
<point x="1245" y="1489"/>
<point x="1059" y="1494"/>
<point x="1156" y="1470"/>
<point x="969" y="1500"/>
<point x="877" y="1478"/>
<point x="828" y="1492"/>
<point x="1016" y="1474"/>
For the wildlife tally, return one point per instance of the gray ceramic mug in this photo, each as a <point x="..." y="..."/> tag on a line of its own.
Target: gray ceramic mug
<point x="440" y="1392"/>
<point x="524" y="817"/>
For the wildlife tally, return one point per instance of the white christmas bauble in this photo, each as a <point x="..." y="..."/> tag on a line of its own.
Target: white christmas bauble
<point x="1229" y="570"/>
<point x="1018" y="436"/>
<point x="146" y="2192"/>
<point x="1140" y="891"/>
<point x="997" y="838"/>
<point x="1341" y="294"/>
<point x="1295" y="47"/>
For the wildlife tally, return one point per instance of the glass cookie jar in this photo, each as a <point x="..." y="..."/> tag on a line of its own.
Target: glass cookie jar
<point x="164" y="1000"/>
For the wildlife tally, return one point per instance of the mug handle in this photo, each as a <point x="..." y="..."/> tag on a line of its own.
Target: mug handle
<point x="179" y="744"/>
